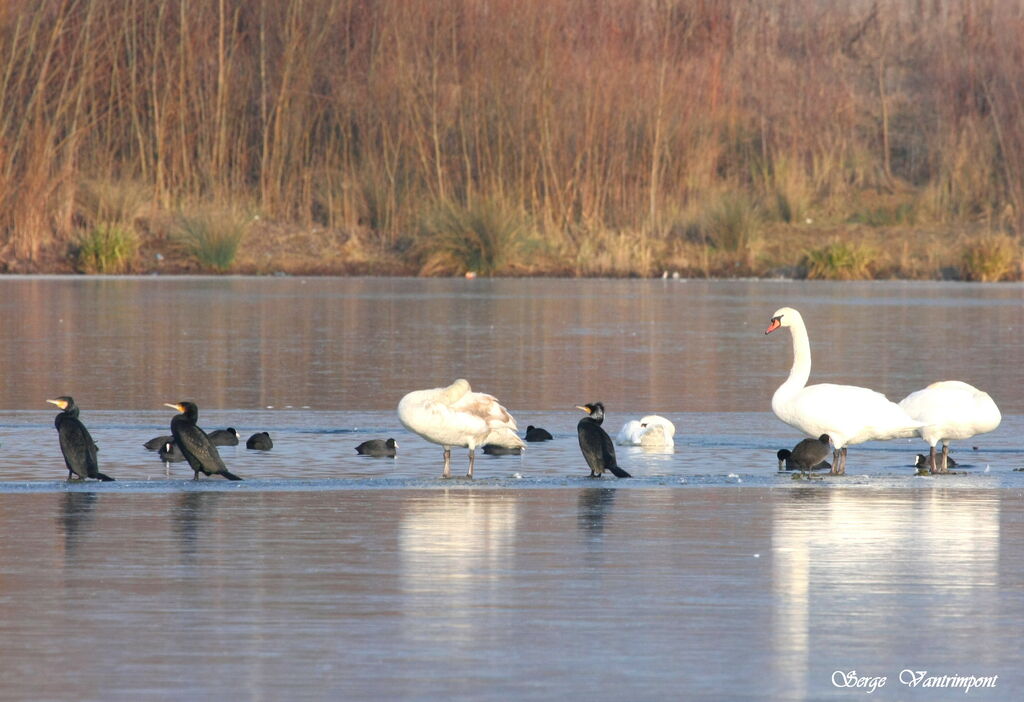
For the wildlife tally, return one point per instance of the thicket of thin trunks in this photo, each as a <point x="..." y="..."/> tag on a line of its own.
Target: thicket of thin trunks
<point x="585" y="116"/>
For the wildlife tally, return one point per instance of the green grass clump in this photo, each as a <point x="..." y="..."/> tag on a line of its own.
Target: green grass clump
<point x="991" y="257"/>
<point x="213" y="236"/>
<point x="484" y="237"/>
<point x="733" y="223"/>
<point x="107" y="248"/>
<point x="840" y="260"/>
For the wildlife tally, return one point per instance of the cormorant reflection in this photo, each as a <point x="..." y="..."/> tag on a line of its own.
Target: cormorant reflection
<point x="192" y="516"/>
<point x="76" y="515"/>
<point x="592" y="506"/>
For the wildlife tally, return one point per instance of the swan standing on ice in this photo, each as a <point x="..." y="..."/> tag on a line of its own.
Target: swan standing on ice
<point x="457" y="416"/>
<point x="847" y="413"/>
<point x="950" y="409"/>
<point x="652" y="430"/>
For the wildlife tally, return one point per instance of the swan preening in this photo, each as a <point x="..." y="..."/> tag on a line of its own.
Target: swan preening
<point x="847" y="413"/>
<point x="457" y="416"/>
<point x="652" y="430"/>
<point x="950" y="409"/>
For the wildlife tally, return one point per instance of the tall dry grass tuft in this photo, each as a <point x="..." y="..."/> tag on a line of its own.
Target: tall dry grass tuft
<point x="212" y="235"/>
<point x="106" y="248"/>
<point x="485" y="237"/>
<point x="841" y="260"/>
<point x="992" y="257"/>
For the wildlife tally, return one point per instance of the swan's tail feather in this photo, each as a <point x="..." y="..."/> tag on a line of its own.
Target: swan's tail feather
<point x="504" y="437"/>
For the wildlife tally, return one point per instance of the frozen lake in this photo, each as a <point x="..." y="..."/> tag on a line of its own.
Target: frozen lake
<point x="329" y="575"/>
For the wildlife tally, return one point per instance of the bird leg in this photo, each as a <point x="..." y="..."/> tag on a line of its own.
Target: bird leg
<point x="945" y="457"/>
<point x="931" y="461"/>
<point x="447" y="462"/>
<point x="837" y="466"/>
<point x="472" y="455"/>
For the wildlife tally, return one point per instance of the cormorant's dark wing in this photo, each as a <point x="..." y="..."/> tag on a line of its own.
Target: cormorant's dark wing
<point x="596" y="446"/>
<point x="78" y="447"/>
<point x="199" y="452"/>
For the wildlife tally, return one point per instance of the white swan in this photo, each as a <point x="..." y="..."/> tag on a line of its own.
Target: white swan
<point x="950" y="409"/>
<point x="457" y="416"/>
<point x="652" y="430"/>
<point x="847" y="413"/>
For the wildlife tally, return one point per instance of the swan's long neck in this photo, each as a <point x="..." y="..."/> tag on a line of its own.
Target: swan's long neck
<point x="801" y="369"/>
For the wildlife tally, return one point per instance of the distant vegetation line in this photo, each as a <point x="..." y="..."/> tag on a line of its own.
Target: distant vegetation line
<point x="517" y="136"/>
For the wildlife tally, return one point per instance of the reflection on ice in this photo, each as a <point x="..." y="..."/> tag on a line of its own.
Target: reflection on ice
<point x="76" y="517"/>
<point x="454" y="549"/>
<point x="844" y="559"/>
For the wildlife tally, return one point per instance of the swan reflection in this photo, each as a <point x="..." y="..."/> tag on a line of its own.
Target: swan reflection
<point x="455" y="547"/>
<point x="872" y="560"/>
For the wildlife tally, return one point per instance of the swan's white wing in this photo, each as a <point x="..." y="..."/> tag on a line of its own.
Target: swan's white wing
<point x="630" y="433"/>
<point x="952" y="409"/>
<point x="655" y="419"/>
<point x="847" y="413"/>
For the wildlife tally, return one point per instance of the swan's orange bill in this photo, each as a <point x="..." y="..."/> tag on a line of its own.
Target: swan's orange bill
<point x="776" y="323"/>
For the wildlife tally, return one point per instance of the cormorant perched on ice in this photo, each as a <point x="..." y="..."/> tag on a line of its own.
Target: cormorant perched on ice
<point x="595" y="443"/>
<point x="75" y="441"/>
<point x="808" y="455"/>
<point x="537" y="434"/>
<point x="195" y="444"/>
<point x="260" y="441"/>
<point x="224" y="437"/>
<point x="378" y="447"/>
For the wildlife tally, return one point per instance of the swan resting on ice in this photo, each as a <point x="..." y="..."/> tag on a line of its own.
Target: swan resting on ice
<point x="652" y="430"/>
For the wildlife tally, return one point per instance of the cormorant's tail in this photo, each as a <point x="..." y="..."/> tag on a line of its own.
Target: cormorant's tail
<point x="618" y="472"/>
<point x="229" y="475"/>
<point x="101" y="476"/>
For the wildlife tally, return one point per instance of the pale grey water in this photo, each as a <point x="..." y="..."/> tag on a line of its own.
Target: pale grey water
<point x="325" y="575"/>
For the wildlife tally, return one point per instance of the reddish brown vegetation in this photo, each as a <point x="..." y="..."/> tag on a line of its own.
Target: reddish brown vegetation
<point x="610" y="128"/>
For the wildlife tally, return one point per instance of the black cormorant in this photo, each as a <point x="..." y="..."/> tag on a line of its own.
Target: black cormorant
<point x="808" y="455"/>
<point x="595" y="443"/>
<point x="157" y="442"/>
<point x="378" y="447"/>
<point x="75" y="441"/>
<point x="259" y="441"/>
<point x="224" y="437"/>
<point x="193" y="442"/>
<point x="537" y="434"/>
